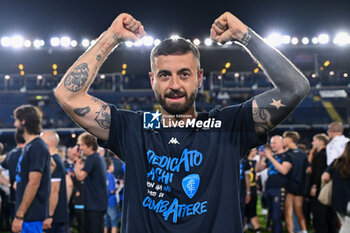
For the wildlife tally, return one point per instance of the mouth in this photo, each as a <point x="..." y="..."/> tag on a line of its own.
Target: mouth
<point x="175" y="98"/>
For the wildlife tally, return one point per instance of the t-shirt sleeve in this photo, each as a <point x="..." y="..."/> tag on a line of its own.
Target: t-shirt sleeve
<point x="38" y="159"/>
<point x="238" y="119"/>
<point x="56" y="176"/>
<point x="89" y="164"/>
<point x="122" y="122"/>
<point x="288" y="158"/>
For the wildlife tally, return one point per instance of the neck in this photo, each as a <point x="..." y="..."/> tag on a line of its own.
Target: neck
<point x="280" y="151"/>
<point x="70" y="160"/>
<point x="52" y="150"/>
<point x="292" y="146"/>
<point x="29" y="137"/>
<point x="20" y="145"/>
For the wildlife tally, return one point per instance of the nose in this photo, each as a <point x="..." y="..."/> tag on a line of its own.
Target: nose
<point x="175" y="83"/>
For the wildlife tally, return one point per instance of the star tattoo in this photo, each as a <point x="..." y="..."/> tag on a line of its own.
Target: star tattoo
<point x="277" y="104"/>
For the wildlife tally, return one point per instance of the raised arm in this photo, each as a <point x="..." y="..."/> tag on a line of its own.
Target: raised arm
<point x="290" y="86"/>
<point x="89" y="112"/>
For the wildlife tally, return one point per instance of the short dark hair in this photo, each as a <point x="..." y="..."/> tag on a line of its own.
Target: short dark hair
<point x="32" y="117"/>
<point x="322" y="137"/>
<point x="109" y="162"/>
<point x="178" y="46"/>
<point x="19" y="138"/>
<point x="89" y="140"/>
<point x="292" y="135"/>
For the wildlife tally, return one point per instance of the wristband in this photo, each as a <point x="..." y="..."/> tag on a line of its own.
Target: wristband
<point x="19" y="217"/>
<point x="50" y="216"/>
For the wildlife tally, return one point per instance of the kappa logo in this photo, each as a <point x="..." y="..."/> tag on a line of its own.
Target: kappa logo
<point x="173" y="141"/>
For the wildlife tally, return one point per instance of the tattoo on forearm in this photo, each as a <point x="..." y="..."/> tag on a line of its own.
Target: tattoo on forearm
<point x="82" y="111"/>
<point x="262" y="119"/>
<point x="103" y="118"/>
<point x="277" y="104"/>
<point x="115" y="38"/>
<point x="98" y="57"/>
<point x="97" y="101"/>
<point x="76" y="80"/>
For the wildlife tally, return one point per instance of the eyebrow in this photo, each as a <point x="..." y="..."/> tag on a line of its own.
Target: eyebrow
<point x="179" y="71"/>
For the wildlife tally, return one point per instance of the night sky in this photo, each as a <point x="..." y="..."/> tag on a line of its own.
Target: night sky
<point x="190" y="19"/>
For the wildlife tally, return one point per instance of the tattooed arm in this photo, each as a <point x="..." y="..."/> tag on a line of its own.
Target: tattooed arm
<point x="89" y="112"/>
<point x="290" y="86"/>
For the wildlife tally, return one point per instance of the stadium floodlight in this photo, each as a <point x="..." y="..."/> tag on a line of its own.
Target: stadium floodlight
<point x="345" y="75"/>
<point x="313" y="76"/>
<point x="85" y="43"/>
<point x="7" y="77"/>
<point x="156" y="42"/>
<point x="236" y="75"/>
<point x="65" y="41"/>
<point x="147" y="40"/>
<point x="73" y="43"/>
<point x="196" y="42"/>
<point x="285" y="39"/>
<point x="323" y="38"/>
<point x="274" y="39"/>
<point x="27" y="43"/>
<point x="341" y="38"/>
<point x="331" y="73"/>
<point x="305" y="40"/>
<point x="39" y="77"/>
<point x="208" y="42"/>
<point x="315" y="40"/>
<point x="295" y="40"/>
<point x="5" y="41"/>
<point x="17" y="41"/>
<point x="38" y="43"/>
<point x="174" y="37"/>
<point x="55" y="41"/>
<point x="138" y="43"/>
<point x="128" y="43"/>
<point x="92" y="42"/>
<point x="102" y="76"/>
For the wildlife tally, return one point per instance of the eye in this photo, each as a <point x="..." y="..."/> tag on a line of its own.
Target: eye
<point x="186" y="74"/>
<point x="163" y="75"/>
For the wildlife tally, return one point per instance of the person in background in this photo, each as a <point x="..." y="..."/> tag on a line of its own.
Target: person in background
<point x="279" y="164"/>
<point x="32" y="173"/>
<point x="296" y="185"/>
<point x="324" y="220"/>
<point x="339" y="172"/>
<point x="337" y="143"/>
<point x="251" y="206"/>
<point x="111" y="217"/>
<point x="244" y="177"/>
<point x="95" y="189"/>
<point x="58" y="206"/>
<point x="10" y="163"/>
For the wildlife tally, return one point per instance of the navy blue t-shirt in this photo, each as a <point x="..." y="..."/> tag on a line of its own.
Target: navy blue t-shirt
<point x="59" y="174"/>
<point x="297" y="174"/>
<point x="183" y="179"/>
<point x="276" y="179"/>
<point x="35" y="157"/>
<point x="10" y="163"/>
<point x="95" y="187"/>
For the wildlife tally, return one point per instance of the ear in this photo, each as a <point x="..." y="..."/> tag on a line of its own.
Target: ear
<point x="200" y="78"/>
<point x="151" y="78"/>
<point x="23" y="122"/>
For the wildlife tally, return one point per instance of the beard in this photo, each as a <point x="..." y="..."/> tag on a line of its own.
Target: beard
<point x="176" y="108"/>
<point x="20" y="130"/>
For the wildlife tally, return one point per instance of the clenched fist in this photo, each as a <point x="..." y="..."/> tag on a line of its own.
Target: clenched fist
<point x="125" y="27"/>
<point x="227" y="27"/>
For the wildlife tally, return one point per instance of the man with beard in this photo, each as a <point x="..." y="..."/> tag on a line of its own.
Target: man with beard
<point x="33" y="173"/>
<point x="181" y="177"/>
